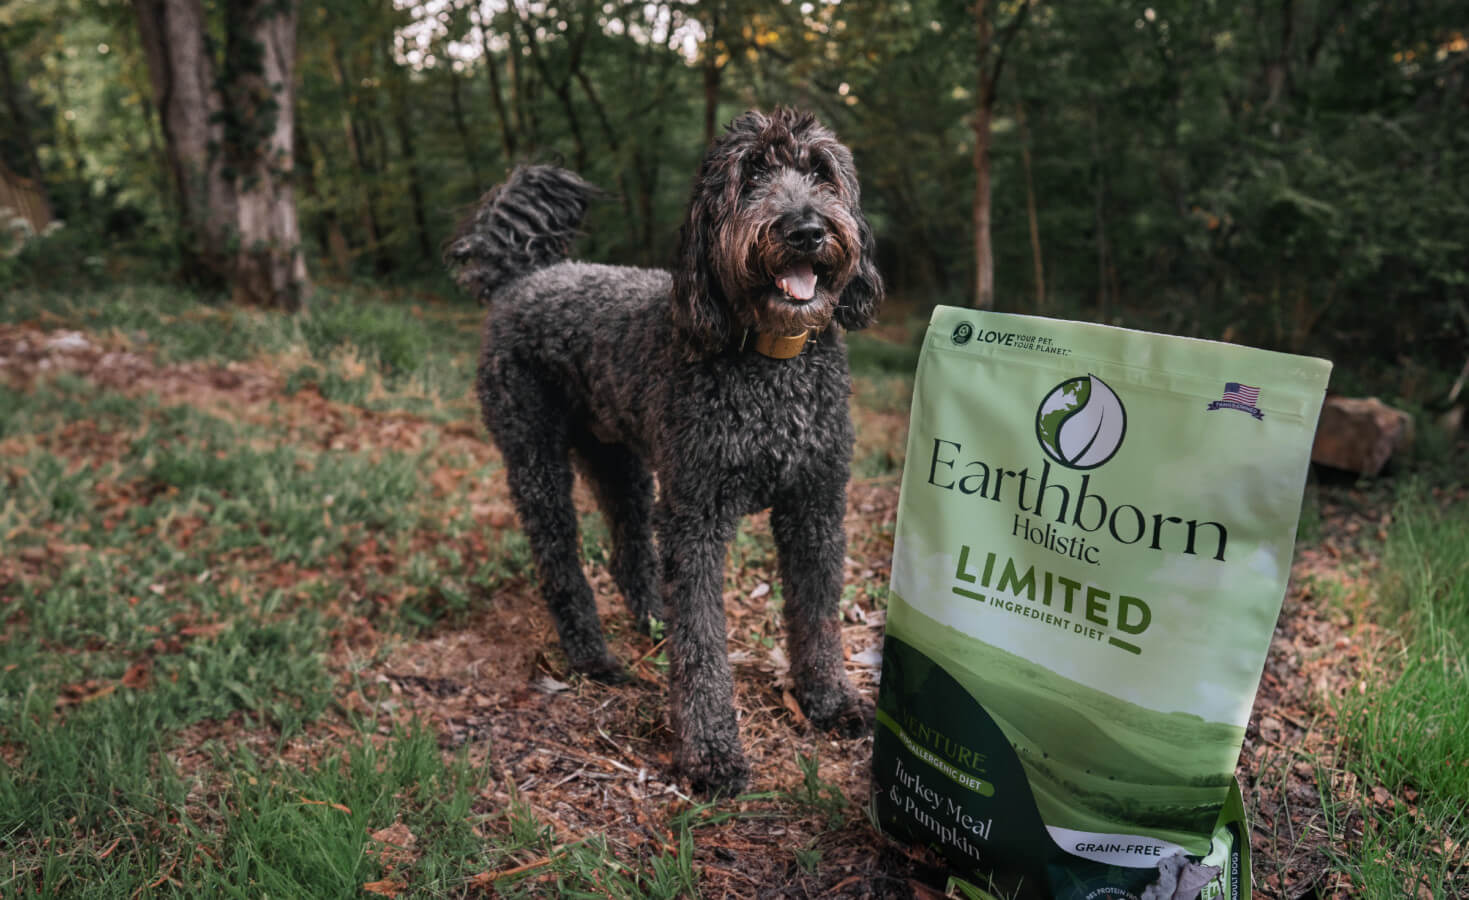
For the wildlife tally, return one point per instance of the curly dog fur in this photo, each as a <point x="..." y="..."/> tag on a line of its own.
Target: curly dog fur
<point x="632" y="372"/>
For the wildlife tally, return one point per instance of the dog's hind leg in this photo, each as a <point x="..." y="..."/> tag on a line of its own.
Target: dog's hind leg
<point x="811" y="543"/>
<point x="624" y="489"/>
<point x="533" y="438"/>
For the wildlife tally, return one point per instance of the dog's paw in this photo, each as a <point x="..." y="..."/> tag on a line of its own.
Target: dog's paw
<point x="720" y="780"/>
<point x="844" y="713"/>
<point x="712" y="774"/>
<point x="605" y="669"/>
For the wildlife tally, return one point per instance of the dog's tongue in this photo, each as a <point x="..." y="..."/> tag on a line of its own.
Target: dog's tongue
<point x="798" y="281"/>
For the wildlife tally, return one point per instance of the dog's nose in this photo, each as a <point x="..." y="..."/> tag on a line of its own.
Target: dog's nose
<point x="806" y="234"/>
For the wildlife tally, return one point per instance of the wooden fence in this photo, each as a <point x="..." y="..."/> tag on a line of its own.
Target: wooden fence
<point x="23" y="196"/>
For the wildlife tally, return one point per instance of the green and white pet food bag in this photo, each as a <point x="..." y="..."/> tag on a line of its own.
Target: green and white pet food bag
<point x="1094" y="535"/>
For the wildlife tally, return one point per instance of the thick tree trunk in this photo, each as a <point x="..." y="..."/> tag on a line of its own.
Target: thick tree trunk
<point x="183" y="78"/>
<point x="260" y="61"/>
<point x="231" y="160"/>
<point x="19" y="109"/>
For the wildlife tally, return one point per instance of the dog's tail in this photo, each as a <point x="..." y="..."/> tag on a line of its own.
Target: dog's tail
<point x="525" y="224"/>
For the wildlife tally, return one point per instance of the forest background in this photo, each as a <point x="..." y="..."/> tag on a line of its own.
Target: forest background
<point x="1289" y="174"/>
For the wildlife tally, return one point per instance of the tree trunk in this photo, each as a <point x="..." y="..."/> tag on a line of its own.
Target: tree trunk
<point x="560" y="87"/>
<point x="456" y="106"/>
<point x="20" y="115"/>
<point x="711" y="76"/>
<point x="352" y="133"/>
<point x="497" y="97"/>
<point x="404" y="127"/>
<point x="230" y="153"/>
<point x="1105" y="274"/>
<point x="984" y="261"/>
<point x="527" y="124"/>
<point x="1030" y="211"/>
<point x="333" y="240"/>
<point x="183" y="78"/>
<point x="260" y="59"/>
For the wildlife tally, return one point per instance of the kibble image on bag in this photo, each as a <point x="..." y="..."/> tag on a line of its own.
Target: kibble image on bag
<point x="1095" y="530"/>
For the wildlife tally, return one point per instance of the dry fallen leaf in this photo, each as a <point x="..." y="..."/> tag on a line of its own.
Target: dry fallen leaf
<point x="337" y="806"/>
<point x="384" y="888"/>
<point x="788" y="700"/>
<point x="208" y="630"/>
<point x="138" y="675"/>
<point x="85" y="692"/>
<point x="396" y="834"/>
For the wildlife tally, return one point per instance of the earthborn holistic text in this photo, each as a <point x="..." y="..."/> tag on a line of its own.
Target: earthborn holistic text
<point x="1094" y="535"/>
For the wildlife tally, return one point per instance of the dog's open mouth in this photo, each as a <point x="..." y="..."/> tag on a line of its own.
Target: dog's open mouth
<point x="798" y="282"/>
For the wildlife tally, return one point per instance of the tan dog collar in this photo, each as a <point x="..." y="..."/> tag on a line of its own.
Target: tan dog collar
<point x="777" y="346"/>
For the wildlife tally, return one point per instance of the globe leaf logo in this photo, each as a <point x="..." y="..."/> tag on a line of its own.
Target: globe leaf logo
<point x="1081" y="422"/>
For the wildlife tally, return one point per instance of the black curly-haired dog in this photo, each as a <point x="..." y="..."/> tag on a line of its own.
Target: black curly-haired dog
<point x="727" y="378"/>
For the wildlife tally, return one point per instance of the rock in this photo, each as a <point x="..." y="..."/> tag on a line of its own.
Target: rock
<point x="68" y="342"/>
<point x="1360" y="434"/>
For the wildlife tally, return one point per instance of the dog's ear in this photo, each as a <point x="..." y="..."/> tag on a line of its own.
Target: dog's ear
<point x="700" y="317"/>
<point x="857" y="307"/>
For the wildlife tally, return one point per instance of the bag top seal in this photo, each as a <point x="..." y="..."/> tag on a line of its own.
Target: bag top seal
<point x="1291" y="384"/>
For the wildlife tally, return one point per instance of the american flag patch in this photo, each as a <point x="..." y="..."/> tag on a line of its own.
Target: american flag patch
<point x="1241" y="393"/>
<point x="1238" y="396"/>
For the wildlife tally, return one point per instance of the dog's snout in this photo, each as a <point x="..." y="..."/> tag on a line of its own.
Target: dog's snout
<point x="806" y="233"/>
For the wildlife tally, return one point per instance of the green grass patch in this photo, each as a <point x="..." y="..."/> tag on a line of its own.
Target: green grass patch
<point x="90" y="747"/>
<point x="1409" y="732"/>
<point x="366" y="348"/>
<point x="292" y="833"/>
<point x="301" y="506"/>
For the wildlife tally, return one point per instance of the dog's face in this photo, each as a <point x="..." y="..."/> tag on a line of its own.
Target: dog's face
<point x="775" y="238"/>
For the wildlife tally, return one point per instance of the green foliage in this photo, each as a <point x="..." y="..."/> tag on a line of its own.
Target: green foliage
<point x="872" y="357"/>
<point x="1291" y="176"/>
<point x="818" y="796"/>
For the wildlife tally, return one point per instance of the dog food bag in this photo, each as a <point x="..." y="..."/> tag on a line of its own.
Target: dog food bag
<point x="1094" y="535"/>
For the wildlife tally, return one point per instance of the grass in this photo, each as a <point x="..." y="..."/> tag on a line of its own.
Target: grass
<point x="169" y="568"/>
<point x="1405" y="736"/>
<point x="354" y="346"/>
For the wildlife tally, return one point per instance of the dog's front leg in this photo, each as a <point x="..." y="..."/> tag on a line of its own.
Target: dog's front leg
<point x="692" y="542"/>
<point x="812" y="543"/>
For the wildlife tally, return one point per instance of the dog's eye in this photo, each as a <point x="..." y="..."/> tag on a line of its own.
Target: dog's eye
<point x="754" y="177"/>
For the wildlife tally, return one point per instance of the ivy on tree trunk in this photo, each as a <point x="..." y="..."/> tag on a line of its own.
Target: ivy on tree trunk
<point x="228" y="131"/>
